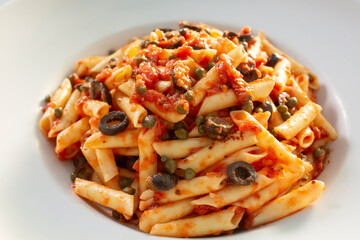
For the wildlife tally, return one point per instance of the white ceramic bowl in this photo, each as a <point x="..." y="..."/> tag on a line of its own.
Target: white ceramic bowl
<point x="40" y="42"/>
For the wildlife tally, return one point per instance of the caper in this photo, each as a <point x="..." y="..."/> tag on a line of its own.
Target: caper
<point x="199" y="120"/>
<point x="172" y="56"/>
<point x="189" y="95"/>
<point x="246" y="45"/>
<point x="292" y="102"/>
<point x="282" y="108"/>
<point x="273" y="132"/>
<point x="129" y="190"/>
<point x="182" y="32"/>
<point x="144" y="43"/>
<point x="116" y="214"/>
<point x="217" y="58"/>
<point x="267" y="106"/>
<point x="47" y="98"/>
<point x="125" y="182"/>
<point x="285" y="115"/>
<point x="199" y="73"/>
<point x="140" y="59"/>
<point x="89" y="79"/>
<point x="58" y="111"/>
<point x="189" y="174"/>
<point x="164" y="158"/>
<point x="179" y="125"/>
<point x="318" y="152"/>
<point x="209" y="66"/>
<point x="165" y="137"/>
<point x="149" y="121"/>
<point x="171" y="165"/>
<point x="83" y="88"/>
<point x="248" y="106"/>
<point x="201" y="129"/>
<point x="141" y="88"/>
<point x="180" y="109"/>
<point x="73" y="176"/>
<point x="181" y="133"/>
<point x="154" y="42"/>
<point x="258" y="110"/>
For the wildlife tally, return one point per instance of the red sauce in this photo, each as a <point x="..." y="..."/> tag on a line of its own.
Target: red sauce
<point x="248" y="125"/>
<point x="79" y="105"/>
<point x="228" y="74"/>
<point x="105" y="73"/>
<point x="203" y="209"/>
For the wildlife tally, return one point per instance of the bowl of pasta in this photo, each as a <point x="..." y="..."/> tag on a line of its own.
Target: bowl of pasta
<point x="182" y="126"/>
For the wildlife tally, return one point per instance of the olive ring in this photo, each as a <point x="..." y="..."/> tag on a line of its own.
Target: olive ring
<point x="99" y="91"/>
<point x="112" y="130"/>
<point x="241" y="173"/>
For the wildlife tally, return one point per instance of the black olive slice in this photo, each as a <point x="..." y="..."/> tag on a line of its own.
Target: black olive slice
<point x="245" y="37"/>
<point x="99" y="91"/>
<point x="166" y="29"/>
<point x="174" y="45"/>
<point x="112" y="130"/>
<point x="175" y="83"/>
<point x="217" y="127"/>
<point x="163" y="181"/>
<point x="230" y="35"/>
<point x="273" y="60"/>
<point x="241" y="173"/>
<point x="192" y="26"/>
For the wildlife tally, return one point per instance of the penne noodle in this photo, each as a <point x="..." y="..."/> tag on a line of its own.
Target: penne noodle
<point x="117" y="200"/>
<point x="180" y="148"/>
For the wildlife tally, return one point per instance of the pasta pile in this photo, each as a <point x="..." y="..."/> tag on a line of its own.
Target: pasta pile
<point x="188" y="132"/>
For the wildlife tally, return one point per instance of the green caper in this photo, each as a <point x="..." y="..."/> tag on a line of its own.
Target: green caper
<point x="189" y="174"/>
<point x="217" y="58"/>
<point x="58" y="111"/>
<point x="47" y="98"/>
<point x="248" y="106"/>
<point x="165" y="137"/>
<point x="141" y="88"/>
<point x="258" y="110"/>
<point x="318" y="152"/>
<point x="144" y="43"/>
<point x="116" y="214"/>
<point x="171" y="166"/>
<point x="182" y="32"/>
<point x="180" y="109"/>
<point x="179" y="125"/>
<point x="181" y="133"/>
<point x="164" y="158"/>
<point x="199" y="120"/>
<point x="273" y="132"/>
<point x="292" y="102"/>
<point x="199" y="73"/>
<point x="246" y="45"/>
<point x="172" y="56"/>
<point x="129" y="190"/>
<point x="83" y="88"/>
<point x="125" y="182"/>
<point x="140" y="59"/>
<point x="73" y="176"/>
<point x="201" y="129"/>
<point x="154" y="42"/>
<point x="149" y="121"/>
<point x="209" y="66"/>
<point x="285" y="115"/>
<point x="282" y="108"/>
<point x="189" y="95"/>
